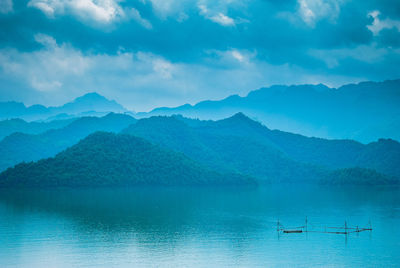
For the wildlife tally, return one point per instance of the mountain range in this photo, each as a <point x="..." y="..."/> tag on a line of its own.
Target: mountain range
<point x="239" y="146"/>
<point x="364" y="112"/>
<point x="250" y="147"/>
<point x="280" y="134"/>
<point x="86" y="105"/>
<point x="11" y="126"/>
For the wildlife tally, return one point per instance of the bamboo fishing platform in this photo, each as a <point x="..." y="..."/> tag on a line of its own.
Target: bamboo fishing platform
<point x="345" y="229"/>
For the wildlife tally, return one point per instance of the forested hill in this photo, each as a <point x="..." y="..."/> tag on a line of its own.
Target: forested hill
<point x="235" y="145"/>
<point x="236" y="148"/>
<point x="245" y="145"/>
<point x="19" y="147"/>
<point x="382" y="155"/>
<point x="106" y="159"/>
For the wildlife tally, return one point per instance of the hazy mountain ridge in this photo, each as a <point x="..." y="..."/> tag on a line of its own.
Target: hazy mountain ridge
<point x="366" y="111"/>
<point x="20" y="147"/>
<point x="10" y="126"/>
<point x="235" y="145"/>
<point x="89" y="104"/>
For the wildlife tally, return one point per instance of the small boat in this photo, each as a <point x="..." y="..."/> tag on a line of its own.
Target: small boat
<point x="336" y="230"/>
<point x="292" y="231"/>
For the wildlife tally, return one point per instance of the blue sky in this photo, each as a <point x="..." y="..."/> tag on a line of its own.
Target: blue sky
<point x="150" y="53"/>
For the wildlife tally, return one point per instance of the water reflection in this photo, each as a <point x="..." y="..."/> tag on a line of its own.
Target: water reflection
<point x="189" y="227"/>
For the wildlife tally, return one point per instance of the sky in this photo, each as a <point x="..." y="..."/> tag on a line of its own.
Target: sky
<point x="151" y="53"/>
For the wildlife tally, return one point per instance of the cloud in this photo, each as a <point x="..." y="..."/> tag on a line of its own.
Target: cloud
<point x="48" y="7"/>
<point x="46" y="40"/>
<point x="96" y="13"/>
<point x="223" y="19"/>
<point x="165" y="8"/>
<point x="239" y="56"/>
<point x="61" y="71"/>
<point x="44" y="69"/>
<point x="6" y="6"/>
<point x="313" y="10"/>
<point x="148" y="53"/>
<point x="103" y="11"/>
<point x="364" y="53"/>
<point x="218" y="17"/>
<point x="134" y="13"/>
<point x="58" y="72"/>
<point x="230" y="59"/>
<point x="378" y="25"/>
<point x="45" y="85"/>
<point x="159" y="65"/>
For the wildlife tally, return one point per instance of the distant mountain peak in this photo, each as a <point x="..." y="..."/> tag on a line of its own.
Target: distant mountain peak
<point x="91" y="102"/>
<point x="240" y="116"/>
<point x="91" y="97"/>
<point x="240" y="119"/>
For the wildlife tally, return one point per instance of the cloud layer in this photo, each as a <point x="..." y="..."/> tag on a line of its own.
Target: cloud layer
<point x="150" y="53"/>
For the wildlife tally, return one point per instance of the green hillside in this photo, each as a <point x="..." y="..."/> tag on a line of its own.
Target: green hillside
<point x="106" y="159"/>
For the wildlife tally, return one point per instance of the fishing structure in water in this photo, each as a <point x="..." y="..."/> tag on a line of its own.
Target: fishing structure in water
<point x="328" y="230"/>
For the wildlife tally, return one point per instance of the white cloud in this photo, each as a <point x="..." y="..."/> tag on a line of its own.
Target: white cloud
<point x="164" y="7"/>
<point x="230" y="59"/>
<point x="163" y="67"/>
<point x="306" y="12"/>
<point x="170" y="8"/>
<point x="46" y="8"/>
<point x="45" y="40"/>
<point x="215" y="11"/>
<point x="44" y="70"/>
<point x="365" y="53"/>
<point x="45" y="85"/>
<point x="134" y="13"/>
<point x="203" y="9"/>
<point x="223" y="20"/>
<point x="217" y="17"/>
<point x="60" y="71"/>
<point x="159" y="65"/>
<point x="103" y="11"/>
<point x="237" y="55"/>
<point x="311" y="11"/>
<point x="6" y="6"/>
<point x="98" y="11"/>
<point x="378" y="25"/>
<point x="57" y="73"/>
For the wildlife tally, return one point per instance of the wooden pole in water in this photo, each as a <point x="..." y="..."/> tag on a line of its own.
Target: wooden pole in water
<point x="306" y="224"/>
<point x="345" y="227"/>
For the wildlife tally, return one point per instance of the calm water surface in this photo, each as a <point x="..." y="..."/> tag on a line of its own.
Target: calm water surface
<point x="223" y="227"/>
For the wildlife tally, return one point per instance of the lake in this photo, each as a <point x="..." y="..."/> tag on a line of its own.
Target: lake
<point x="203" y="227"/>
